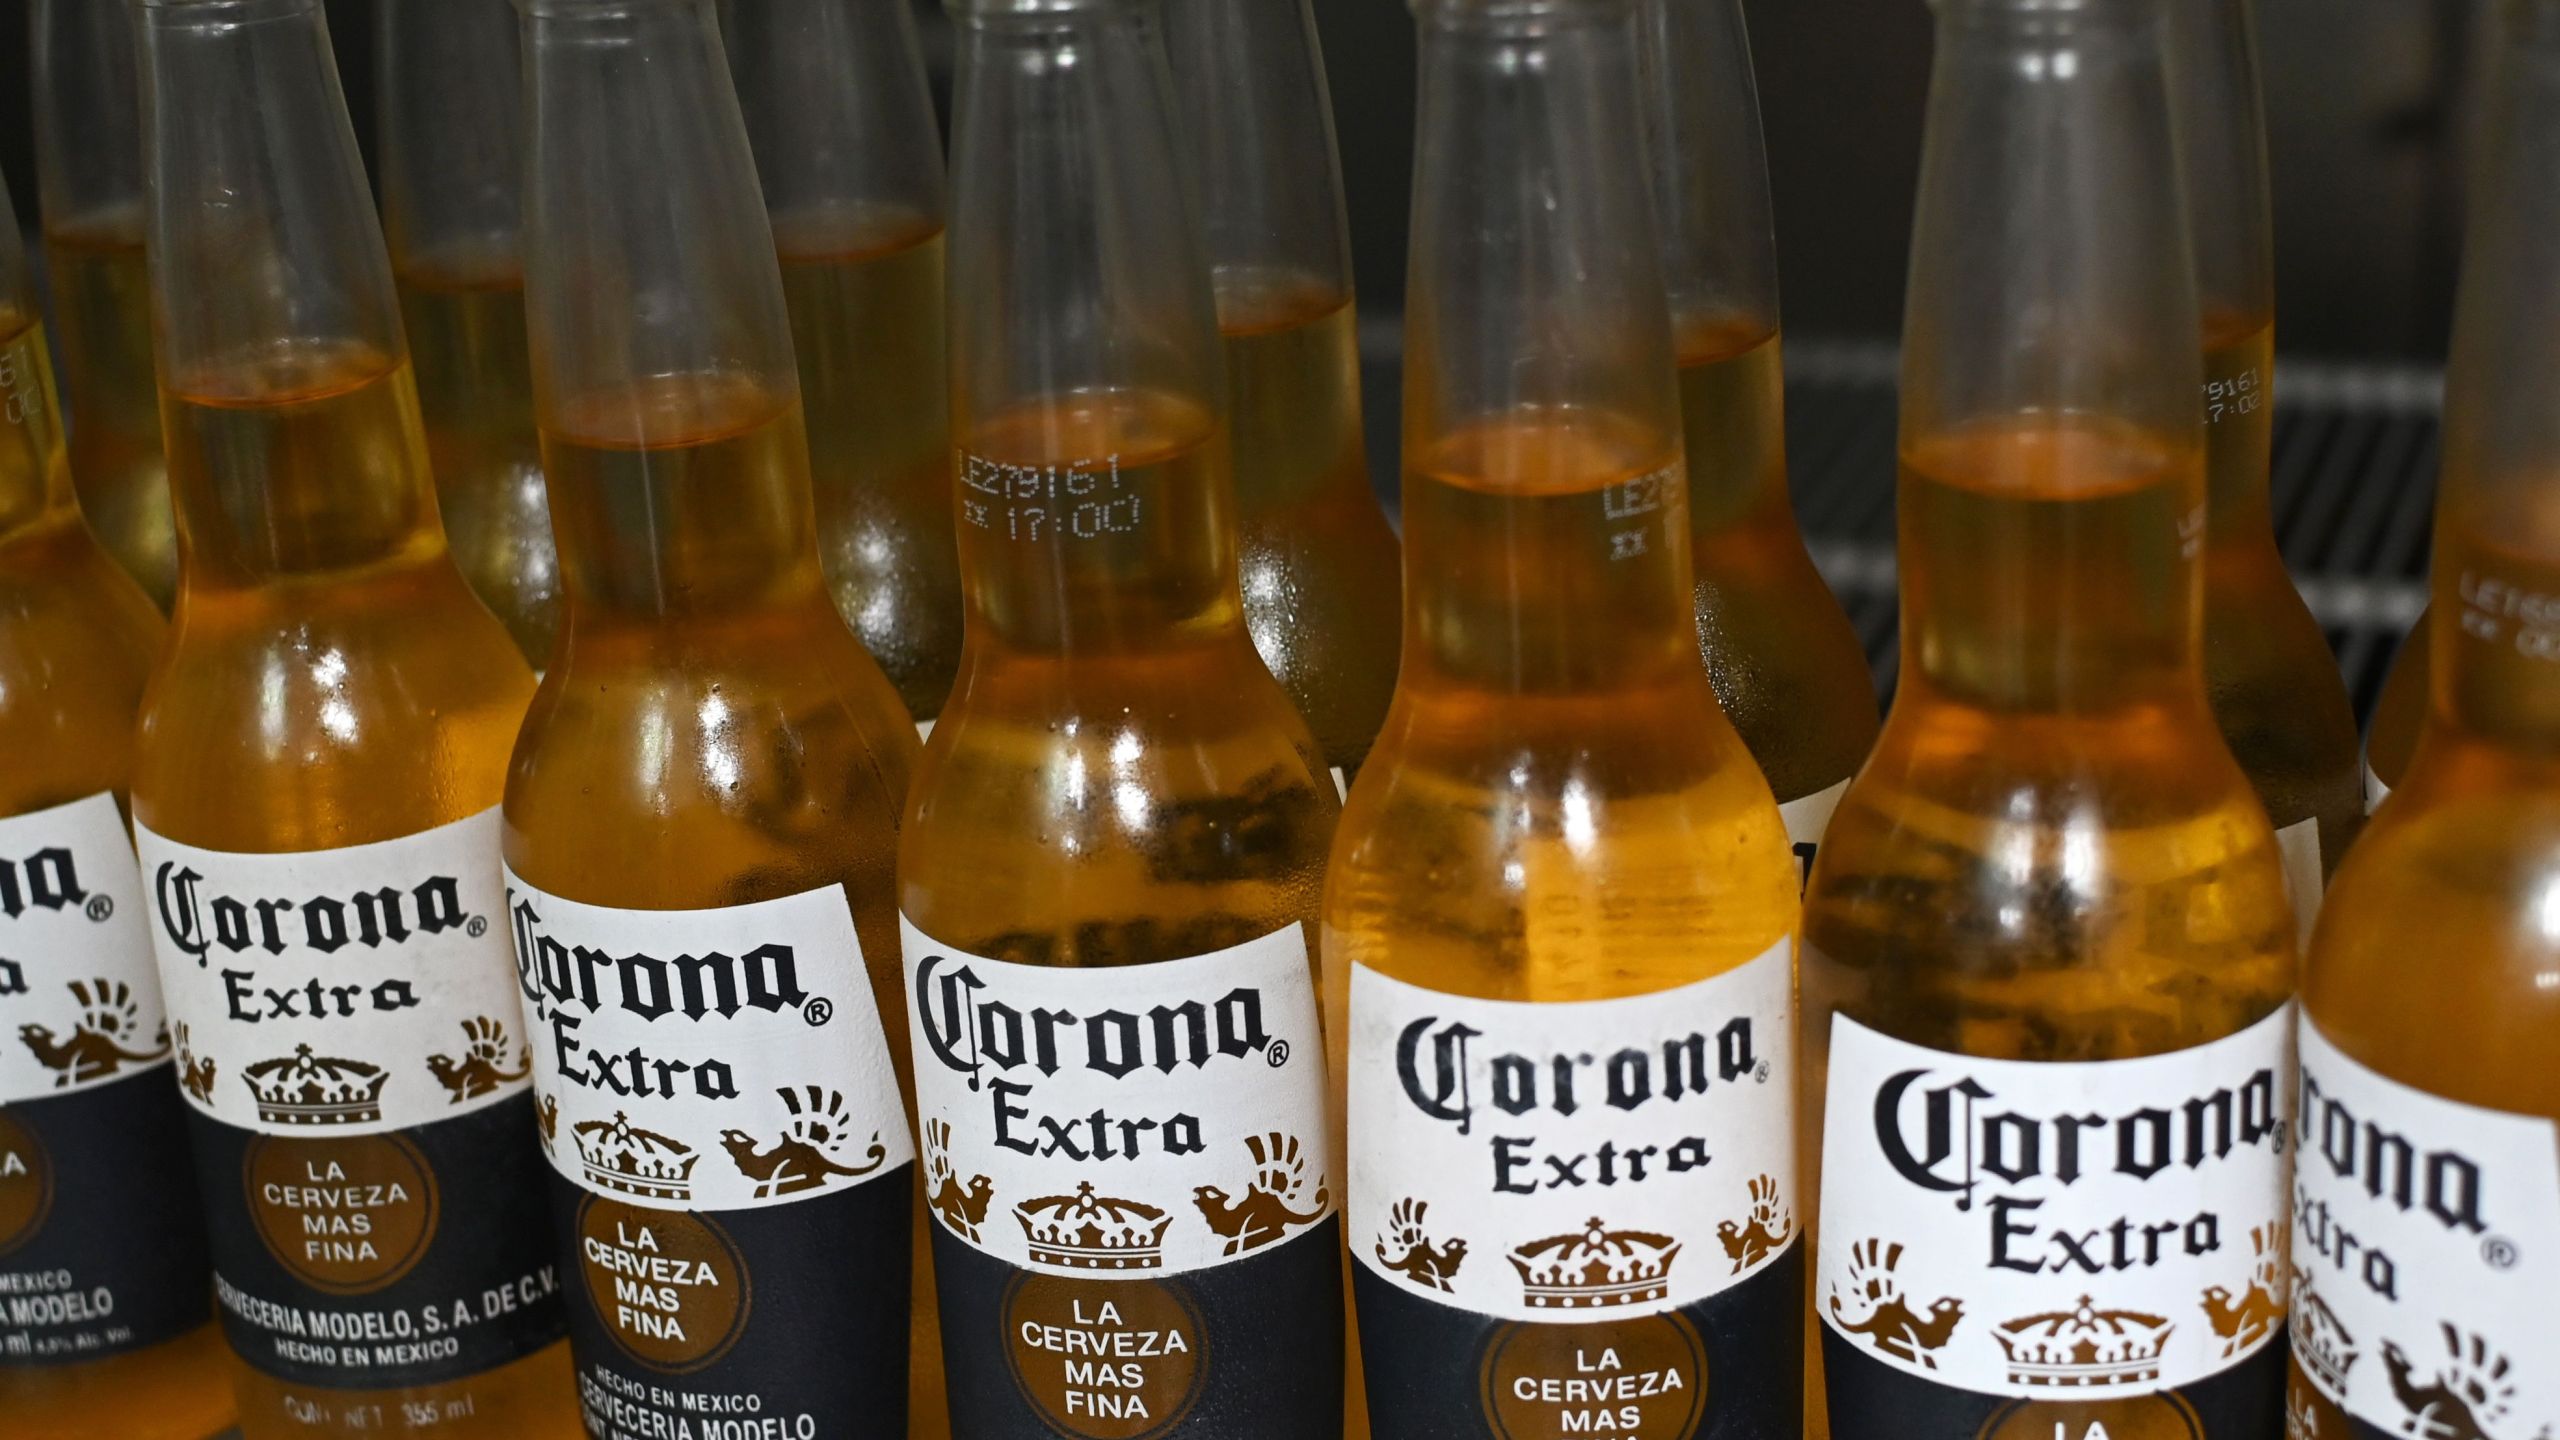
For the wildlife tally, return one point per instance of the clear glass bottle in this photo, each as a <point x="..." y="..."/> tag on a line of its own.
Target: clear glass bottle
<point x="2427" y="1166"/>
<point x="1786" y="663"/>
<point x="1558" y="924"/>
<point x="113" y="1332"/>
<point x="452" y="127"/>
<point x="89" y="179"/>
<point x="1119" y="815"/>
<point x="713" y="768"/>
<point x="1318" y="564"/>
<point x="2048" y="954"/>
<point x="851" y="160"/>
<point x="323" y="750"/>
<point x="2268" y="670"/>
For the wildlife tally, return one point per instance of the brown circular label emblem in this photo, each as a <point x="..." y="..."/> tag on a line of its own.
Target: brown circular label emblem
<point x="26" y="1183"/>
<point x="1645" y="1376"/>
<point x="2135" y="1417"/>
<point x="346" y="1214"/>
<point x="669" y="1285"/>
<point x="1108" y="1359"/>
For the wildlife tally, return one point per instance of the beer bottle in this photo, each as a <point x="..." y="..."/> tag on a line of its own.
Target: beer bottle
<point x="1317" y="561"/>
<point x="2268" y="670"/>
<point x="1562" y="906"/>
<point x="452" y="128"/>
<point x="851" y="159"/>
<point x="1118" y="832"/>
<point x="109" y="1326"/>
<point x="708" y="786"/>
<point x="89" y="180"/>
<point x="2426" y="1235"/>
<point x="321" y="757"/>
<point x="2398" y="716"/>
<point x="1786" y="664"/>
<point x="2048" y="957"/>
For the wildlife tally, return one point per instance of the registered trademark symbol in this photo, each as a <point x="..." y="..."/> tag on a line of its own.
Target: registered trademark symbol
<point x="478" y="926"/>
<point x="818" y="1011"/>
<point x="1760" y="1073"/>
<point x="100" y="907"/>
<point x="2500" y="1252"/>
<point x="1277" y="1054"/>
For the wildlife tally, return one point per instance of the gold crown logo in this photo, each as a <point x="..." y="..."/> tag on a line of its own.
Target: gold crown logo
<point x="2084" y="1348"/>
<point x="307" y="1089"/>
<point x="621" y="1156"/>
<point x="1085" y="1231"/>
<point x="1594" y="1268"/>
<point x="2320" y="1340"/>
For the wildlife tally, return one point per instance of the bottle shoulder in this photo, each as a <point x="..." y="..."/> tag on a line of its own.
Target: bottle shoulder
<point x="77" y="639"/>
<point x="298" y="717"/>
<point x="1487" y="856"/>
<point x="701" y="778"/>
<point x="2090" y="889"/>
<point x="2435" y="961"/>
<point x="1095" y="813"/>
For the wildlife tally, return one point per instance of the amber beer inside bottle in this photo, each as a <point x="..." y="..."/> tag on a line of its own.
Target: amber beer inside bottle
<point x="1787" y="666"/>
<point x="89" y="174"/>
<point x="452" y="128"/>
<point x="2423" y="1286"/>
<point x="849" y="155"/>
<point x="1318" y="565"/>
<point x="2051" y="879"/>
<point x="333" y="713"/>
<point x="2398" y="715"/>
<point x="113" y="1332"/>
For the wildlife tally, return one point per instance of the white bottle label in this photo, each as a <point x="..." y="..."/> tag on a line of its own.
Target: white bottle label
<point x="2305" y="879"/>
<point x="349" y="991"/>
<point x="1574" y="1161"/>
<point x="722" y="1059"/>
<point x="79" y="999"/>
<point x="1131" y="1120"/>
<point x="1806" y="817"/>
<point x="2427" y="1252"/>
<point x="2022" y="1228"/>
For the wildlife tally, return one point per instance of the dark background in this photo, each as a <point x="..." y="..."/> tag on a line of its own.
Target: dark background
<point x="2365" y="99"/>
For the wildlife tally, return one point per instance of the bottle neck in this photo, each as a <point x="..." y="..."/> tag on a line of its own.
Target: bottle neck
<point x="1732" y="412"/>
<point x="2050" y="566"/>
<point x="680" y="500"/>
<point x="2239" y="411"/>
<point x="1548" y="556"/>
<point x="303" y="462"/>
<point x="1292" y="353"/>
<point x="1099" y="524"/>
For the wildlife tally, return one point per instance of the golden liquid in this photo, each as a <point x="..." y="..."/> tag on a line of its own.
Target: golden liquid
<point x="711" y="734"/>
<point x="1320" y="568"/>
<point x="865" y="298"/>
<point x="330" y="681"/>
<point x="102" y="299"/>
<point x="2051" y="855"/>
<point x="77" y="638"/>
<point x="2402" y="710"/>
<point x="2268" y="670"/>
<point x="1786" y="663"/>
<point x="475" y="391"/>
<point x="2434" y="962"/>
